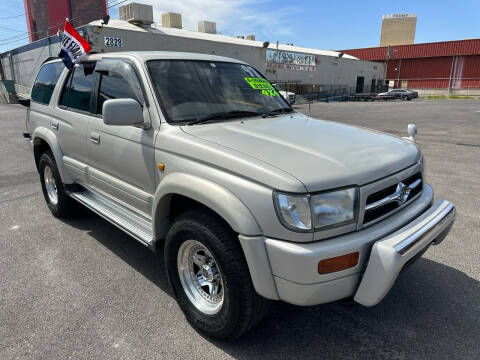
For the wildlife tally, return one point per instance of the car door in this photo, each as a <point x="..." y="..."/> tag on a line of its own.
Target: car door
<point x="121" y="158"/>
<point x="72" y="117"/>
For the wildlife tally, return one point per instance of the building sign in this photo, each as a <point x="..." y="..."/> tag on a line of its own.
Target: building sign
<point x="278" y="59"/>
<point x="113" y="41"/>
<point x="398" y="16"/>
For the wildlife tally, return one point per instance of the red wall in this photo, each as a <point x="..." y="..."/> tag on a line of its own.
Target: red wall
<point x="435" y="72"/>
<point x="58" y="11"/>
<point x="430" y="65"/>
<point x="49" y="15"/>
<point x="437" y="49"/>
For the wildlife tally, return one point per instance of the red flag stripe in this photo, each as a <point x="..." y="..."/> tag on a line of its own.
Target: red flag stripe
<point x="74" y="33"/>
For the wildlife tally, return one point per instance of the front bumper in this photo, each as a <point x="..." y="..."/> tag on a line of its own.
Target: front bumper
<point x="288" y="271"/>
<point x="389" y="256"/>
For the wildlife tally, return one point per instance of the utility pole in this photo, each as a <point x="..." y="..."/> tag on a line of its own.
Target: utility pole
<point x="49" y="43"/>
<point x="451" y="75"/>
<point x="12" y="70"/>
<point x="2" y="73"/>
<point x="398" y="73"/>
<point x="278" y="64"/>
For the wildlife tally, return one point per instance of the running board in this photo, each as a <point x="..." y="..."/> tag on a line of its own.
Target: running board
<point x="123" y="218"/>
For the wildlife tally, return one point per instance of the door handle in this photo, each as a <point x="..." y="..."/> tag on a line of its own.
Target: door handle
<point x="54" y="126"/>
<point x="95" y="138"/>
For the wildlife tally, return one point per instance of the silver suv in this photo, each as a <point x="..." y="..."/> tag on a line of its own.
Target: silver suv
<point x="250" y="200"/>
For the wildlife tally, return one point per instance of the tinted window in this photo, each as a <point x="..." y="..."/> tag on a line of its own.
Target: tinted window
<point x="45" y="83"/>
<point x="113" y="86"/>
<point x="78" y="91"/>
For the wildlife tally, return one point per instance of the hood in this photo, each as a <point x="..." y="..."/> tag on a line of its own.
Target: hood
<point x="321" y="154"/>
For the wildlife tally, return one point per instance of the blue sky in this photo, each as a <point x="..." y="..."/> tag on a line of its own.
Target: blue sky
<point x="318" y="24"/>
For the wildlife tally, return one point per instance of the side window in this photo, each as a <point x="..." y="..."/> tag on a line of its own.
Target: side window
<point x="77" y="92"/>
<point x="113" y="86"/>
<point x="47" y="78"/>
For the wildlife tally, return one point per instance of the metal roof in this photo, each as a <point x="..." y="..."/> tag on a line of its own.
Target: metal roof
<point x="435" y="49"/>
<point x="154" y="29"/>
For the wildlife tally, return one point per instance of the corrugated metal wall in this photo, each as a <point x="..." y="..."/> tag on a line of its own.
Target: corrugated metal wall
<point x="436" y="73"/>
<point x="441" y="65"/>
<point x="437" y="49"/>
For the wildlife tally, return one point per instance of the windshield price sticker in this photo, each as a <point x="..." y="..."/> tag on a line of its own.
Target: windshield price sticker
<point x="262" y="84"/>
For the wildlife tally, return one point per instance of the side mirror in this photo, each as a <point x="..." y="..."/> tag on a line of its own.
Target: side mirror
<point x="122" y="112"/>
<point x="412" y="131"/>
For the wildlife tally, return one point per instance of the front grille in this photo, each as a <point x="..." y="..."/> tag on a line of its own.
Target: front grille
<point x="378" y="211"/>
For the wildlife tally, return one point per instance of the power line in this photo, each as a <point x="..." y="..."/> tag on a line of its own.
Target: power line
<point x="51" y="27"/>
<point x="11" y="17"/>
<point x="8" y="29"/>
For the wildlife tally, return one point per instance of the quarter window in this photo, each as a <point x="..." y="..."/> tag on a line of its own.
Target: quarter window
<point x="45" y="83"/>
<point x="77" y="93"/>
<point x="113" y="86"/>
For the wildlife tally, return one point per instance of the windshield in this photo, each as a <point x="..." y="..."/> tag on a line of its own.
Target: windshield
<point x="195" y="90"/>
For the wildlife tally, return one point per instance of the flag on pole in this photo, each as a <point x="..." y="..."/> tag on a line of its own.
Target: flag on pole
<point x="74" y="47"/>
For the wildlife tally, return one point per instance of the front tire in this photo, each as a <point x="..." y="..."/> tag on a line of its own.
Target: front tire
<point x="59" y="203"/>
<point x="208" y="274"/>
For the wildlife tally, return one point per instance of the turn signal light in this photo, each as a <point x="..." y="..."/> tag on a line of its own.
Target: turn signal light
<point x="338" y="263"/>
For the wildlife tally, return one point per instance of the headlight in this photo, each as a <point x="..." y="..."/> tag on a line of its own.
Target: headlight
<point x="294" y="211"/>
<point x="327" y="209"/>
<point x="333" y="208"/>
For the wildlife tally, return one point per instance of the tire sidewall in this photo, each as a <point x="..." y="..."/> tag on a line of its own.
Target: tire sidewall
<point x="215" y="324"/>
<point x="46" y="159"/>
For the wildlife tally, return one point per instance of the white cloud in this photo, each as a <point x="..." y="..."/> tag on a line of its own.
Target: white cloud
<point x="233" y="17"/>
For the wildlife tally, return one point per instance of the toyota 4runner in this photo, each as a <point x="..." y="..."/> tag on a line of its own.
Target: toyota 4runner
<point x="251" y="200"/>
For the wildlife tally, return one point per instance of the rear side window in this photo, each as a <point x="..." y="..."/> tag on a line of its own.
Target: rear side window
<point x="47" y="78"/>
<point x="113" y="86"/>
<point x="77" y="93"/>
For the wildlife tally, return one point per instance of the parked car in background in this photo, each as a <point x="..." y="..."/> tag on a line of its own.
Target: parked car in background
<point x="199" y="157"/>
<point x="289" y="96"/>
<point x="403" y="94"/>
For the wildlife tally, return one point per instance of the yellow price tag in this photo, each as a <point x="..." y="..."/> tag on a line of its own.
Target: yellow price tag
<point x="262" y="84"/>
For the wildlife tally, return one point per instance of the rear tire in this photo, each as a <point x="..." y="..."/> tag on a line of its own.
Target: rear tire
<point x="198" y="237"/>
<point x="59" y="203"/>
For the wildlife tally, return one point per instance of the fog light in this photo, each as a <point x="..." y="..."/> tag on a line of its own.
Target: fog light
<point x="338" y="263"/>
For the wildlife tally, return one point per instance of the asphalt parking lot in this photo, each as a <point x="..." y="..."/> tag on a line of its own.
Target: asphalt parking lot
<point x="81" y="289"/>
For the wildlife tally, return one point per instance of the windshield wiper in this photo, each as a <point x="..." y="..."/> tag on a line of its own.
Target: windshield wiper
<point x="277" y="112"/>
<point x="223" y="115"/>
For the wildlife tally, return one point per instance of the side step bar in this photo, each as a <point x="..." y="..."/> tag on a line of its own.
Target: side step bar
<point x="123" y="218"/>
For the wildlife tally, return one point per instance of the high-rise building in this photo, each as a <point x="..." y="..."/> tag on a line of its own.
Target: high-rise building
<point x="46" y="17"/>
<point x="398" y="29"/>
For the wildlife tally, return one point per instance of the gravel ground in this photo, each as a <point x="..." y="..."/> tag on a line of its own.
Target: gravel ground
<point x="81" y="289"/>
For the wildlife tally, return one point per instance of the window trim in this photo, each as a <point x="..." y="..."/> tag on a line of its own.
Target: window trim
<point x="56" y="84"/>
<point x="137" y="74"/>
